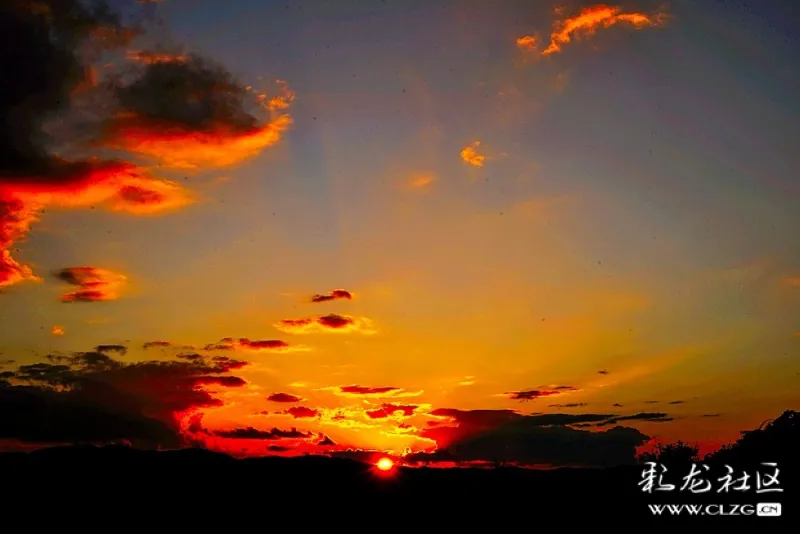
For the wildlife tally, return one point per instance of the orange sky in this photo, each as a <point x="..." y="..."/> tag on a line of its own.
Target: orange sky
<point x="434" y="221"/>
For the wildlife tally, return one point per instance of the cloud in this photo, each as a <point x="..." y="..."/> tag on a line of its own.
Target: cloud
<point x="154" y="344"/>
<point x="94" y="284"/>
<point x="390" y="410"/>
<point x="336" y="294"/>
<point x="264" y="345"/>
<point x="200" y="122"/>
<point x="543" y="439"/>
<point x="326" y="323"/>
<point x="151" y="56"/>
<point x="471" y="156"/>
<point x="253" y="433"/>
<point x="527" y="42"/>
<point x="105" y="349"/>
<point x="791" y="281"/>
<point x="300" y="412"/>
<point x="367" y="391"/>
<point x="568" y="405"/>
<point x="90" y="397"/>
<point x="57" y="330"/>
<point x="590" y="19"/>
<point x="180" y="114"/>
<point x="283" y="397"/>
<point x="421" y="180"/>
<point x="533" y="394"/>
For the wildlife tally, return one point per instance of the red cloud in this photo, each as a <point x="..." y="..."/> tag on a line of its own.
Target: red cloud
<point x="264" y="345"/>
<point x="388" y="410"/>
<point x="301" y="412"/>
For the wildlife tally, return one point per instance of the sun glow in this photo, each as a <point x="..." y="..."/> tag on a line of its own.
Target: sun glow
<point x="385" y="464"/>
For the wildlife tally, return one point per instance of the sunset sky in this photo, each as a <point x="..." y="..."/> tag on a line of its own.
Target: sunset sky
<point x="528" y="208"/>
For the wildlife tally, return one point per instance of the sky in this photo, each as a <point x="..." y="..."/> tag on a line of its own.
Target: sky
<point x="403" y="226"/>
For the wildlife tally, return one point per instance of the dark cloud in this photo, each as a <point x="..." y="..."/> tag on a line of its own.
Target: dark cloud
<point x="568" y="405"/>
<point x="602" y="372"/>
<point x="283" y="397"/>
<point x="325" y="441"/>
<point x="651" y="402"/>
<point x="336" y="294"/>
<point x="189" y="113"/>
<point x="93" y="284"/>
<point x="677" y="402"/>
<point x="50" y="32"/>
<point x="119" y="349"/>
<point x="154" y="344"/>
<point x="533" y="394"/>
<point x="90" y="397"/>
<point x="254" y="433"/>
<point x="548" y="439"/>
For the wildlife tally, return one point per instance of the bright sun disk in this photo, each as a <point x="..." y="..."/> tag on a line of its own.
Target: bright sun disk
<point x="385" y="464"/>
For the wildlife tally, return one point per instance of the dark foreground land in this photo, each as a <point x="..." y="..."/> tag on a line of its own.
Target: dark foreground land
<point x="196" y="481"/>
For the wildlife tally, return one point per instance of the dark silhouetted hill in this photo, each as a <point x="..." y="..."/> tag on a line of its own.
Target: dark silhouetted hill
<point x="162" y="482"/>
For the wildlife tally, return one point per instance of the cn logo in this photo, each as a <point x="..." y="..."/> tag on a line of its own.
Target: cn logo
<point x="768" y="509"/>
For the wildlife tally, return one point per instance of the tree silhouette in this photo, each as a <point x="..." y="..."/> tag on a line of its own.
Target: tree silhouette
<point x="678" y="453"/>
<point x="777" y="440"/>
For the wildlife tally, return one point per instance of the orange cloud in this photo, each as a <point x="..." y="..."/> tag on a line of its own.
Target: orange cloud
<point x="178" y="148"/>
<point x="57" y="330"/>
<point x="421" y="180"/>
<point x="527" y="42"/>
<point x="326" y="323"/>
<point x="119" y="187"/>
<point x="150" y="57"/>
<point x="792" y="281"/>
<point x="590" y="19"/>
<point x="93" y="284"/>
<point x="471" y="156"/>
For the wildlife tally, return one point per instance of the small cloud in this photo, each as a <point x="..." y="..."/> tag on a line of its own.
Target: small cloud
<point x="527" y="43"/>
<point x="602" y="372"/>
<point x="336" y="294"/>
<point x="57" y="330"/>
<point x="326" y="323"/>
<point x="471" y="156"/>
<point x="421" y="180"/>
<point x="106" y="349"/>
<point x="284" y="397"/>
<point x="300" y="412"/>
<point x="154" y="344"/>
<point x="94" y="284"/>
<point x="365" y="391"/>
<point x="249" y="345"/>
<point x="533" y="394"/>
<point x="468" y="381"/>
<point x="568" y="405"/>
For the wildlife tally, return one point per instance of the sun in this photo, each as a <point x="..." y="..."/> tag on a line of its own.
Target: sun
<point x="385" y="464"/>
